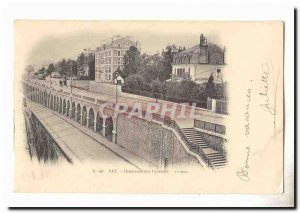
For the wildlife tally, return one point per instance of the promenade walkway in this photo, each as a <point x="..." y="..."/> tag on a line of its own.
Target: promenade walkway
<point x="83" y="145"/>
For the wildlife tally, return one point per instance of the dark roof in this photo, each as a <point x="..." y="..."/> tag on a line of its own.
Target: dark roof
<point x="122" y="39"/>
<point x="212" y="48"/>
<point x="190" y="50"/>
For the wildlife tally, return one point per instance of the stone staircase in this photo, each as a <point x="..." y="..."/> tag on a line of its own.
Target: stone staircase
<point x="195" y="139"/>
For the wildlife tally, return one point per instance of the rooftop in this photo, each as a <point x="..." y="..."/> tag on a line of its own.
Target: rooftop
<point x="212" y="48"/>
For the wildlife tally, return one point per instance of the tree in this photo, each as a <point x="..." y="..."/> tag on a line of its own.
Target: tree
<point x="157" y="88"/>
<point x="50" y="69"/>
<point x="91" y="64"/>
<point x="210" y="87"/>
<point x="62" y="65"/>
<point x="134" y="82"/>
<point x="168" y="55"/>
<point x="80" y="64"/>
<point x="29" y="68"/>
<point x="42" y="71"/>
<point x="132" y="61"/>
<point x="185" y="89"/>
<point x="116" y="73"/>
<point x="221" y="91"/>
<point x="151" y="67"/>
<point x="74" y="68"/>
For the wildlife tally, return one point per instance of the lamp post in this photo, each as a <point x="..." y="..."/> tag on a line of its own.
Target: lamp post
<point x="118" y="82"/>
<point x="71" y="98"/>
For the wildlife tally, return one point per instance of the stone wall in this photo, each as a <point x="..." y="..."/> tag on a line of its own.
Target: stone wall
<point x="152" y="142"/>
<point x="41" y="143"/>
<point x="105" y="88"/>
<point x="214" y="142"/>
<point x="81" y="83"/>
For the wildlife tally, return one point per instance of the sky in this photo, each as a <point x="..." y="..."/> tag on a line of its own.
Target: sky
<point x="153" y="37"/>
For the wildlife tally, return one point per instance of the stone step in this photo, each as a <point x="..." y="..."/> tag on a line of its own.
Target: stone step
<point x="219" y="161"/>
<point x="219" y="164"/>
<point x="196" y="141"/>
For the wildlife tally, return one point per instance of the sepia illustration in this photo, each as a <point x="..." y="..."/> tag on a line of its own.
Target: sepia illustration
<point x="117" y="100"/>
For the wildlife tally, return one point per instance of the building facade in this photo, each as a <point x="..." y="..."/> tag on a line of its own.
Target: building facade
<point x="109" y="57"/>
<point x="199" y="62"/>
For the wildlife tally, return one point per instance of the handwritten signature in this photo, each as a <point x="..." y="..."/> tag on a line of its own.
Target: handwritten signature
<point x="243" y="173"/>
<point x="267" y="106"/>
<point x="265" y="90"/>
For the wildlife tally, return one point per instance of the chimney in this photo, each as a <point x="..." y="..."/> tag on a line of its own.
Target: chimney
<point x="201" y="40"/>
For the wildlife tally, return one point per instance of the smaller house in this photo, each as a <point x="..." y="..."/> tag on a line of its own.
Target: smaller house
<point x="55" y="75"/>
<point x="199" y="62"/>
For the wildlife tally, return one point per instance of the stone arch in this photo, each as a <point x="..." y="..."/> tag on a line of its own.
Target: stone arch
<point x="99" y="123"/>
<point x="68" y="108"/>
<point x="48" y="100"/>
<point x="109" y="126"/>
<point x="91" y="119"/>
<point x="39" y="96"/>
<point x="36" y="95"/>
<point x="73" y="111"/>
<point x="44" y="98"/>
<point x="64" y="110"/>
<point x="32" y="94"/>
<point x="54" y="102"/>
<point x="51" y="102"/>
<point x="78" y="116"/>
<point x="57" y="104"/>
<point x="108" y="112"/>
<point x="84" y="116"/>
<point x="60" y="105"/>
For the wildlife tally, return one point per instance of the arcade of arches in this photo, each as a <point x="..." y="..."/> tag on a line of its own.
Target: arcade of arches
<point x="83" y="112"/>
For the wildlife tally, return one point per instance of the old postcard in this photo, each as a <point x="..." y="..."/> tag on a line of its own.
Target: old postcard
<point x="149" y="107"/>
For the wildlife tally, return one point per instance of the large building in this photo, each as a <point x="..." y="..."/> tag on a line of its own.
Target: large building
<point x="109" y="57"/>
<point x="199" y="62"/>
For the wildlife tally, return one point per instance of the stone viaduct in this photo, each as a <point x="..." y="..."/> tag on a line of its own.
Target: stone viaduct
<point x="76" y="105"/>
<point x="159" y="141"/>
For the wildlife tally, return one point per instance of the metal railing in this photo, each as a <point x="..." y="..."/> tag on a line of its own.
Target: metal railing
<point x="217" y="128"/>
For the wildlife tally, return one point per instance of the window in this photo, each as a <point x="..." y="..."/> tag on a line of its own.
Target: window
<point x="119" y="45"/>
<point x="119" y="61"/>
<point x="119" y="53"/>
<point x="107" y="53"/>
<point x="218" y="71"/>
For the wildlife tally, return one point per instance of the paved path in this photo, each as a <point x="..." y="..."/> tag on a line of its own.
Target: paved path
<point x="79" y="146"/>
